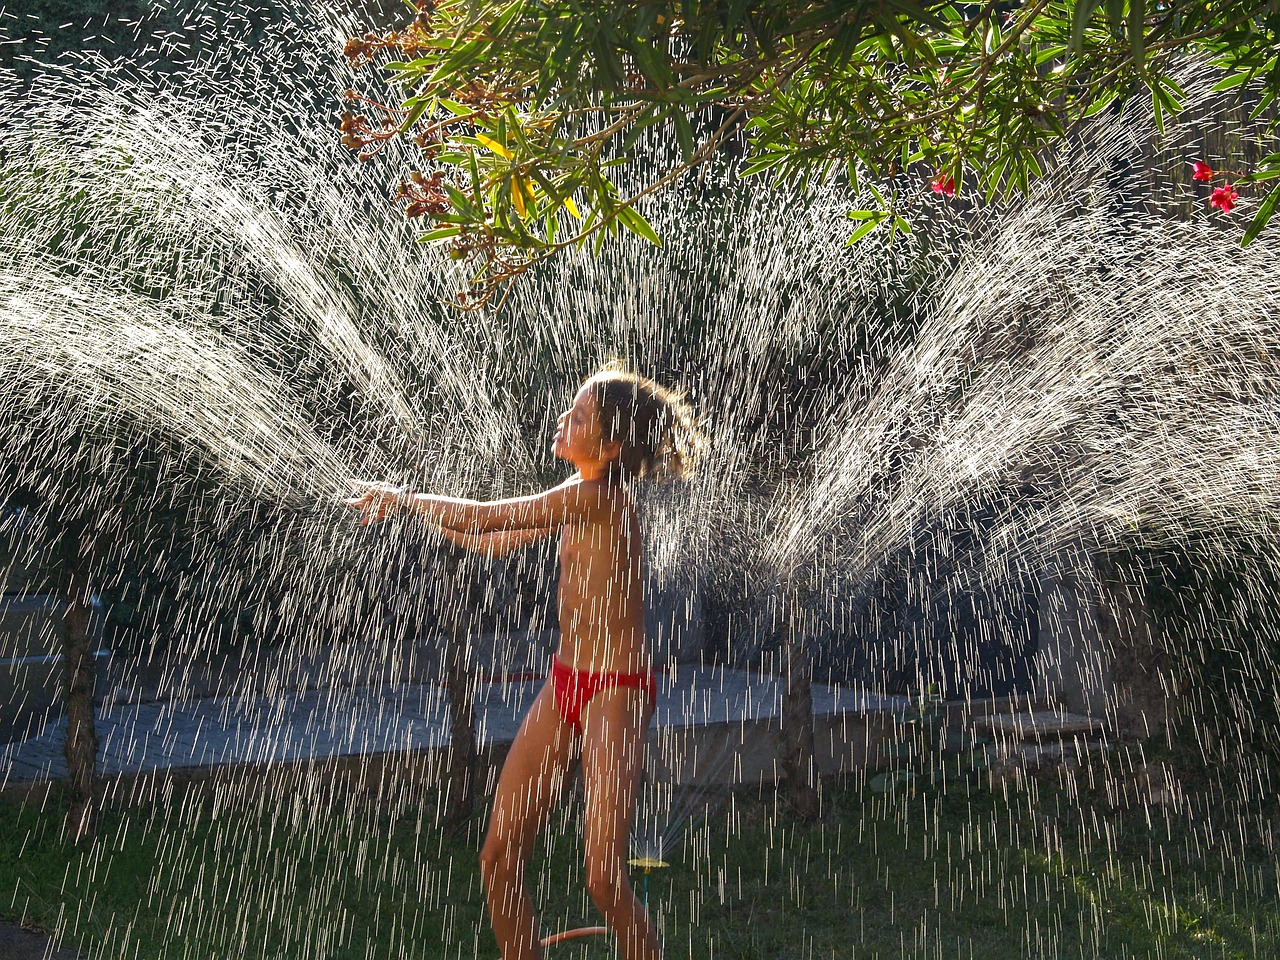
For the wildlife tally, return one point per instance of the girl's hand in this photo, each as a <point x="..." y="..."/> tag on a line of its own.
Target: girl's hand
<point x="377" y="501"/>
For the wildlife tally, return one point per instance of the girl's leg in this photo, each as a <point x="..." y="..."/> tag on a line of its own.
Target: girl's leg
<point x="613" y="737"/>
<point x="530" y="781"/>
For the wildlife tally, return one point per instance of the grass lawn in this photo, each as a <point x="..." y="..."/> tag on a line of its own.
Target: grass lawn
<point x="970" y="872"/>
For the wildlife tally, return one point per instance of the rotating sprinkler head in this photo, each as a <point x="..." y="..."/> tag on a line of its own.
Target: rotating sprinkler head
<point x="646" y="864"/>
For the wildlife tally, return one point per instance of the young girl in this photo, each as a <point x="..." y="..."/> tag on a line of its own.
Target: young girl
<point x="599" y="697"/>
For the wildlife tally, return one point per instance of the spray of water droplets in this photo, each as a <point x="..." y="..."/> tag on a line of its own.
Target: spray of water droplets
<point x="948" y="463"/>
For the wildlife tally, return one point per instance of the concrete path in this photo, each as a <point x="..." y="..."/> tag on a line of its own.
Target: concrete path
<point x="335" y="723"/>
<point x="17" y="943"/>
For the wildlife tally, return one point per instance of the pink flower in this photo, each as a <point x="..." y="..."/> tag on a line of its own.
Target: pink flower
<point x="944" y="185"/>
<point x="1224" y="198"/>
<point x="1203" y="171"/>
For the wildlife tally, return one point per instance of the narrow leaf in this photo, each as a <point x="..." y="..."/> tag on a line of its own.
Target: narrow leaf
<point x="684" y="133"/>
<point x="639" y="124"/>
<point x="1115" y="16"/>
<point x="457" y="109"/>
<point x="517" y="196"/>
<point x="762" y="161"/>
<point x="865" y="229"/>
<point x="1107" y="98"/>
<point x="438" y="234"/>
<point x="1137" y="31"/>
<point x="637" y="224"/>
<point x="1261" y="217"/>
<point x="416" y="113"/>
<point x="494" y="146"/>
<point x="1231" y="82"/>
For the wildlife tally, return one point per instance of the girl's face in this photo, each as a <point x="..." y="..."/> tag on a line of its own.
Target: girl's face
<point x="578" y="434"/>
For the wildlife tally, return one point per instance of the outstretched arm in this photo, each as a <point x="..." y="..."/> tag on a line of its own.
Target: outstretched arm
<point x="572" y="502"/>
<point x="496" y="543"/>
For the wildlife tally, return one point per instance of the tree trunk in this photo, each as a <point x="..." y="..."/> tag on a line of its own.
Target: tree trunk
<point x="1144" y="690"/>
<point x="463" y="747"/>
<point x="799" y="765"/>
<point x="80" y="668"/>
<point x="460" y="785"/>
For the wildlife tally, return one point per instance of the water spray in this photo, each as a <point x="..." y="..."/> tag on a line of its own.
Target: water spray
<point x="646" y="864"/>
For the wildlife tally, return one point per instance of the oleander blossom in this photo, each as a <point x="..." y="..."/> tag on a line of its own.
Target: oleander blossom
<point x="1203" y="171"/>
<point x="944" y="184"/>
<point x="1224" y="198"/>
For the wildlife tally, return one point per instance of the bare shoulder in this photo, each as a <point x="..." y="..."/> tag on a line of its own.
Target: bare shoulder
<point x="596" y="501"/>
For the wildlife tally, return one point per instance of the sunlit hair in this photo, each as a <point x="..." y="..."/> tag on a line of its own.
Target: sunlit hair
<point x="656" y="427"/>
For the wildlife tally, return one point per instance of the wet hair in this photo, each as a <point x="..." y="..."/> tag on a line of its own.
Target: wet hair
<point x="656" y="427"/>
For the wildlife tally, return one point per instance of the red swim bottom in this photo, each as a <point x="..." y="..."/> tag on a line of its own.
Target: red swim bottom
<point x="574" y="689"/>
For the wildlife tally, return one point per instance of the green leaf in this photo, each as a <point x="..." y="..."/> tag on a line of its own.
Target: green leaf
<point x="1176" y="93"/>
<point x="503" y="20"/>
<point x="1137" y="31"/>
<point x="456" y="59"/>
<point x="652" y="64"/>
<point x="1115" y="16"/>
<point x="1233" y="81"/>
<point x="878" y="217"/>
<point x="1261" y="217"/>
<point x="684" y="133"/>
<point x="915" y="13"/>
<point x="762" y="161"/>
<point x="843" y="44"/>
<point x="1080" y="18"/>
<point x="1032" y="164"/>
<point x="1268" y="97"/>
<point x="1108" y="97"/>
<point x="851" y="171"/>
<point x="476" y="188"/>
<point x="416" y="113"/>
<point x="815" y="18"/>
<point x="633" y="221"/>
<point x="1052" y="51"/>
<point x="994" y="176"/>
<point x="459" y="200"/>
<point x="642" y="122"/>
<point x="439" y="233"/>
<point x="457" y="109"/>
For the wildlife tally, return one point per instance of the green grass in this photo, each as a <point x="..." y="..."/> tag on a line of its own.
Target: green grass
<point x="966" y="873"/>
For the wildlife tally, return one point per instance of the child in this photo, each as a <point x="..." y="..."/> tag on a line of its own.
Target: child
<point x="599" y="697"/>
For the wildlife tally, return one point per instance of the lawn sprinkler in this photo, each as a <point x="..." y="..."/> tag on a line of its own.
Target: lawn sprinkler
<point x="646" y="864"/>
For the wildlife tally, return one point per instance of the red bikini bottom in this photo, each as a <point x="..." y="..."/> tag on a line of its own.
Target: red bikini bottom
<point x="574" y="689"/>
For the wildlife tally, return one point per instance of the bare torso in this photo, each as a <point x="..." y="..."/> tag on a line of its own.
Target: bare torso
<point x="601" y="602"/>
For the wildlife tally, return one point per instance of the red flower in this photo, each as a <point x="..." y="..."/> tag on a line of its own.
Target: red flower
<point x="1203" y="171"/>
<point x="944" y="185"/>
<point x="1224" y="198"/>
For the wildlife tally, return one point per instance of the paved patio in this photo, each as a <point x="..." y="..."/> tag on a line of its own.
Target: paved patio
<point x="736" y="708"/>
